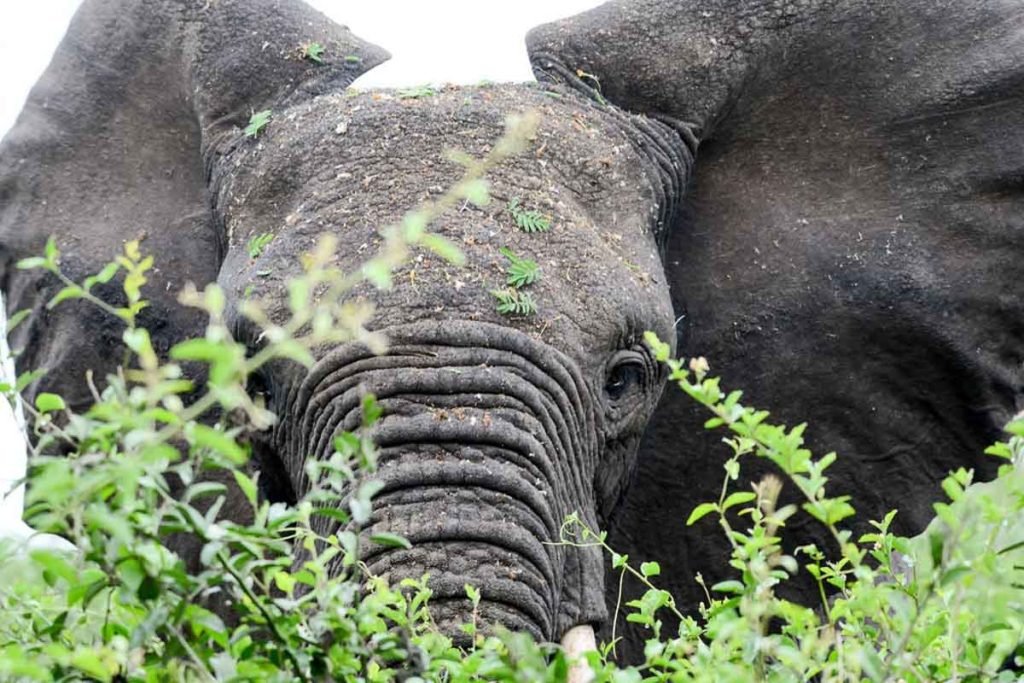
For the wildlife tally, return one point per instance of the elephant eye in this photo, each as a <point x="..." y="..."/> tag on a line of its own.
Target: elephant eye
<point x="624" y="376"/>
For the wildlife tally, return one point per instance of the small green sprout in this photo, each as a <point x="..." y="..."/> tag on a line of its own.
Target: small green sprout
<point x="257" y="121"/>
<point x="514" y="302"/>
<point x="353" y="59"/>
<point x="528" y="220"/>
<point x="313" y="52"/>
<point x="521" y="272"/>
<point x="584" y="76"/>
<point x="258" y="243"/>
<point x="416" y="93"/>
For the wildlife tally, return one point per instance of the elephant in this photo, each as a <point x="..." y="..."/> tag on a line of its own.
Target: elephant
<point x="494" y="427"/>
<point x="845" y="249"/>
<point x="850" y="250"/>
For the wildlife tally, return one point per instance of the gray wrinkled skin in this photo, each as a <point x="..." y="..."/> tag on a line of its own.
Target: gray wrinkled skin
<point x="851" y="252"/>
<point x="495" y="428"/>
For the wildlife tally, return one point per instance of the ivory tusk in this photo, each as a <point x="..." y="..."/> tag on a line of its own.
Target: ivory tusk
<point x="577" y="641"/>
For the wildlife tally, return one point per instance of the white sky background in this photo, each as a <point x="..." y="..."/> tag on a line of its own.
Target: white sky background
<point x="431" y="41"/>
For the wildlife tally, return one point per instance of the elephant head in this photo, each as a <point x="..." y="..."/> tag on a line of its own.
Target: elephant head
<point x="495" y="428"/>
<point x="850" y="251"/>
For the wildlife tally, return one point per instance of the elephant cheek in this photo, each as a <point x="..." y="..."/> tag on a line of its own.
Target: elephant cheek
<point x="485" y="447"/>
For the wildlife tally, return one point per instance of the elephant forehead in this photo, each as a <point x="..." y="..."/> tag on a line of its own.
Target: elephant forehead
<point x="372" y="156"/>
<point x="351" y="165"/>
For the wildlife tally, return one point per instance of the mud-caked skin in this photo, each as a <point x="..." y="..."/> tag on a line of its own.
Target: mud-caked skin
<point x="851" y="252"/>
<point x="494" y="428"/>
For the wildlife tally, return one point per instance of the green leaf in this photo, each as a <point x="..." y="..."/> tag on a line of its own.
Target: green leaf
<point x="936" y="543"/>
<point x="371" y="410"/>
<point x="514" y="302"/>
<point x="293" y="350"/>
<point x="738" y="498"/>
<point x="1016" y="427"/>
<point x="649" y="569"/>
<point x="378" y="273"/>
<point x="954" y="574"/>
<point x="416" y="93"/>
<point x="257" y="121"/>
<point x="69" y="292"/>
<point x="258" y="243"/>
<point x="138" y="341"/>
<point x="346" y="443"/>
<point x="204" y="490"/>
<point x="1000" y="450"/>
<point x="17" y="319"/>
<point x="56" y="564"/>
<point x="730" y="586"/>
<point x="47" y="403"/>
<point x="414" y="225"/>
<point x="660" y="349"/>
<point x="526" y="220"/>
<point x="701" y="511"/>
<point x="285" y="581"/>
<point x="85" y="591"/>
<point x="102" y="277"/>
<point x="247" y="485"/>
<point x="732" y="469"/>
<point x="830" y="511"/>
<point x="871" y="663"/>
<point x="201" y="350"/>
<point x="521" y="272"/>
<point x="55" y="628"/>
<point x="216" y="441"/>
<point x="313" y="52"/>
<point x="391" y="540"/>
<point x="444" y="248"/>
<point x="89" y="662"/>
<point x="26" y="378"/>
<point x="31" y="263"/>
<point x="476" y="191"/>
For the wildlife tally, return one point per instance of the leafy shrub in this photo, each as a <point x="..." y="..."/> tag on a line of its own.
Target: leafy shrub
<point x="140" y="466"/>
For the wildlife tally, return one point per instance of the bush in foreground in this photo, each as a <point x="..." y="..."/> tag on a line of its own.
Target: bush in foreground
<point x="143" y="465"/>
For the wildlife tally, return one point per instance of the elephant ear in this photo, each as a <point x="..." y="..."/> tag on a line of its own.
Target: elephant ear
<point x="111" y="146"/>
<point x="682" y="61"/>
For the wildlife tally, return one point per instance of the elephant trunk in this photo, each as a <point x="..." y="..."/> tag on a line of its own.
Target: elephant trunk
<point x="488" y="440"/>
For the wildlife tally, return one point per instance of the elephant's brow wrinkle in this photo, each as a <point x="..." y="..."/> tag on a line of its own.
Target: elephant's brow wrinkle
<point x="499" y="498"/>
<point x="514" y="541"/>
<point x="479" y="345"/>
<point x="542" y="405"/>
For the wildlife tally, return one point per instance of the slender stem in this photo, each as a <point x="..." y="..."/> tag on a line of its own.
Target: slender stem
<point x="267" y="617"/>
<point x="87" y="295"/>
<point x="618" y="607"/>
<point x="587" y="531"/>
<point x="191" y="653"/>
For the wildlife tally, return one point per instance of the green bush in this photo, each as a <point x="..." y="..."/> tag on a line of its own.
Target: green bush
<point x="942" y="606"/>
